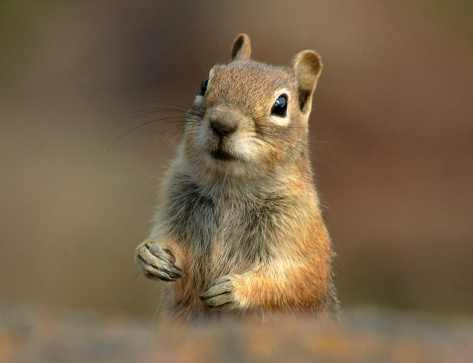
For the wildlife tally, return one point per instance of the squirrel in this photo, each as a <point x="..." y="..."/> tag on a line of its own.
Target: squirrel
<point x="239" y="230"/>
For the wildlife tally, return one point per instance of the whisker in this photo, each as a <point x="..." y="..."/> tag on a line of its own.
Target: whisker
<point x="180" y="106"/>
<point x="278" y="135"/>
<point x="264" y="140"/>
<point x="271" y="138"/>
<point x="151" y="111"/>
<point x="333" y="142"/>
<point x="276" y="80"/>
<point x="320" y="153"/>
<point x="173" y="119"/>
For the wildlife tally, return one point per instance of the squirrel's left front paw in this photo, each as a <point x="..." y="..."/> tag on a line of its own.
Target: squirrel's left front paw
<point x="222" y="293"/>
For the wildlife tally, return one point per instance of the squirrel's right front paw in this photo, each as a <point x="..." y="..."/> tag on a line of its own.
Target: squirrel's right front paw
<point x="157" y="262"/>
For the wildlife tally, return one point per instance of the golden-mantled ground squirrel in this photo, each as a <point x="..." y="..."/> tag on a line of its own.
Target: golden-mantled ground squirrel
<point x="239" y="230"/>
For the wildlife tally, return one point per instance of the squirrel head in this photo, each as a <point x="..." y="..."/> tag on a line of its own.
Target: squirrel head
<point x="250" y="118"/>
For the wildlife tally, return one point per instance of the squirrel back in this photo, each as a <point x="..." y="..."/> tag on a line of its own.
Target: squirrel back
<point x="239" y="229"/>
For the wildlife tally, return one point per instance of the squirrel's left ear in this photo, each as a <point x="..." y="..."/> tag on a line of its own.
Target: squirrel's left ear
<point x="307" y="66"/>
<point x="241" y="48"/>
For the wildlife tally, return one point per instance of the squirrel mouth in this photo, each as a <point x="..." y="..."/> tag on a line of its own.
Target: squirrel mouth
<point x="222" y="155"/>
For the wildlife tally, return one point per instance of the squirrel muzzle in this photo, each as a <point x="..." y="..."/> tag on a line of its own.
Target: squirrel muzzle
<point x="223" y="121"/>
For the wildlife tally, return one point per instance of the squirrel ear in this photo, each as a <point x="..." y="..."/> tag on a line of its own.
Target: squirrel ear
<point x="307" y="66"/>
<point x="241" y="48"/>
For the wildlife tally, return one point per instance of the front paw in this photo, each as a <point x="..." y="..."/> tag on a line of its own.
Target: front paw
<point x="157" y="262"/>
<point x="222" y="293"/>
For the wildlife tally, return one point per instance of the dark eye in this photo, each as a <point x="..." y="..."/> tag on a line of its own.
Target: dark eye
<point x="280" y="106"/>
<point x="203" y="86"/>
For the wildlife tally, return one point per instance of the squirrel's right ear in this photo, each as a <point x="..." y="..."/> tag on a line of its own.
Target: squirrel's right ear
<point x="307" y="66"/>
<point x="241" y="48"/>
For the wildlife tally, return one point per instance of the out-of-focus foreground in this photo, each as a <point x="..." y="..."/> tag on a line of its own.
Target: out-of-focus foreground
<point x="392" y="140"/>
<point x="36" y="334"/>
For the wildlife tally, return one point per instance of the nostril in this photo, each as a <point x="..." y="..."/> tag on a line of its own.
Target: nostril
<point x="223" y="127"/>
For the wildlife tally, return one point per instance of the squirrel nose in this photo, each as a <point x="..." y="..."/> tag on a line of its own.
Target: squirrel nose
<point x="224" y="126"/>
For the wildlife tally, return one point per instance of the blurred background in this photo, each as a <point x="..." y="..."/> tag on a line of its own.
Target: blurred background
<point x="392" y="140"/>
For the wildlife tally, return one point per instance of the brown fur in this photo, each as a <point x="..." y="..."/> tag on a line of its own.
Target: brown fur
<point x="242" y="234"/>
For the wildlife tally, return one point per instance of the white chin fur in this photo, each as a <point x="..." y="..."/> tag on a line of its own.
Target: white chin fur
<point x="241" y="165"/>
<point x="235" y="168"/>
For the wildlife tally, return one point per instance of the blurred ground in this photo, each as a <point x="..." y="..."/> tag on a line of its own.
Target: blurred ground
<point x="35" y="334"/>
<point x="392" y="141"/>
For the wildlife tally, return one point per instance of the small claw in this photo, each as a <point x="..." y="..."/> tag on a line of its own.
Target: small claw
<point x="169" y="252"/>
<point x="158" y="276"/>
<point x="176" y="267"/>
<point x="217" y="301"/>
<point x="216" y="289"/>
<point x="164" y="272"/>
<point x="171" y="268"/>
<point x="157" y="251"/>
<point x="169" y="272"/>
<point x="174" y="274"/>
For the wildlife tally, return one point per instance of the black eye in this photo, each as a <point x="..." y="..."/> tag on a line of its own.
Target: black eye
<point x="203" y="86"/>
<point x="280" y="106"/>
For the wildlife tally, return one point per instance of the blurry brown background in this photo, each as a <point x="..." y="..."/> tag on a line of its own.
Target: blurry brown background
<point x="393" y="108"/>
